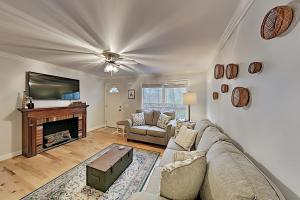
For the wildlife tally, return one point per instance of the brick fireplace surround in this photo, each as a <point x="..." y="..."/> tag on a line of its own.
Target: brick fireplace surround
<point x="33" y="121"/>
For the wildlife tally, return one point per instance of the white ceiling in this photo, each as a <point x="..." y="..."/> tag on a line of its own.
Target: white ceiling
<point x="163" y="35"/>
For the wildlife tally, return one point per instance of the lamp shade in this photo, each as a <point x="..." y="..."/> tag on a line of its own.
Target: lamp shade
<point x="189" y="98"/>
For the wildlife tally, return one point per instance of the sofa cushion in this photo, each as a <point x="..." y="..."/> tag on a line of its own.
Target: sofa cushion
<point x="163" y="121"/>
<point x="138" y="119"/>
<point x="200" y="126"/>
<point x="148" y="117"/>
<point x="210" y="136"/>
<point x="230" y="175"/>
<point x="183" y="179"/>
<point x="174" y="146"/>
<point x="141" y="130"/>
<point x="186" y="138"/>
<point x="156" y="114"/>
<point x="167" y="157"/>
<point x="171" y="114"/>
<point x="156" y="131"/>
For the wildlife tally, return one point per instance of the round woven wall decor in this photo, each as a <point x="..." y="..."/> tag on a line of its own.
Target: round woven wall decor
<point x="224" y="88"/>
<point x="276" y="22"/>
<point x="232" y="71"/>
<point x="240" y="97"/>
<point x="215" y="95"/>
<point x="219" y="71"/>
<point x="255" y="67"/>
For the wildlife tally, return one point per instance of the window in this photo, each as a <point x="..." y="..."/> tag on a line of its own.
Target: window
<point x="165" y="97"/>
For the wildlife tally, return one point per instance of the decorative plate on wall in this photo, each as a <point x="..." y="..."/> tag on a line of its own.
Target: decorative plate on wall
<point x="240" y="97"/>
<point x="224" y="88"/>
<point x="219" y="71"/>
<point x="215" y="95"/>
<point x="276" y="22"/>
<point x="232" y="71"/>
<point x="255" y="67"/>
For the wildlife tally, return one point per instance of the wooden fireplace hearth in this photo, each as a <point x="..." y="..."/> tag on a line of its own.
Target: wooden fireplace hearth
<point x="33" y="120"/>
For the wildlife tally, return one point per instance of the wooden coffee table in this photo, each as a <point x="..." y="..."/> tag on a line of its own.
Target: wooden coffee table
<point x="104" y="171"/>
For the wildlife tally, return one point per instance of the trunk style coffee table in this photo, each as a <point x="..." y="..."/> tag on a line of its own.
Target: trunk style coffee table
<point x="104" y="171"/>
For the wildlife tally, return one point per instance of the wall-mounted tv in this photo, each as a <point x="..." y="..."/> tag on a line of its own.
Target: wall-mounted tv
<point x="48" y="87"/>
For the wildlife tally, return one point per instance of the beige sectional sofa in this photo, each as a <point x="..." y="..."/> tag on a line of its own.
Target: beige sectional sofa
<point x="230" y="175"/>
<point x="150" y="132"/>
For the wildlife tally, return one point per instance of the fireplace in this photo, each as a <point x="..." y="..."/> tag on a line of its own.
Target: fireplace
<point x="60" y="132"/>
<point x="46" y="128"/>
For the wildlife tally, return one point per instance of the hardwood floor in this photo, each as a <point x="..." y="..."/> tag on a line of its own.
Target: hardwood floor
<point x="19" y="176"/>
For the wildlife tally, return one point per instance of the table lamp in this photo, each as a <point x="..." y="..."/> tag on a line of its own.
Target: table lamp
<point x="189" y="98"/>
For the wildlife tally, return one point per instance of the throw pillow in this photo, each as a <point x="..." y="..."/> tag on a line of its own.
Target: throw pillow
<point x="186" y="137"/>
<point x="138" y="119"/>
<point x="148" y="117"/>
<point x="183" y="155"/>
<point x="163" y="121"/>
<point x="156" y="114"/>
<point x="179" y="124"/>
<point x="183" y="179"/>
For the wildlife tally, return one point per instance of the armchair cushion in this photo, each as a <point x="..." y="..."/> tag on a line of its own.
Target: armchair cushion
<point x="156" y="131"/>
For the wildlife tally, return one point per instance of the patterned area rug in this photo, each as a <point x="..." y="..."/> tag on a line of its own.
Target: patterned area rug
<point x="72" y="184"/>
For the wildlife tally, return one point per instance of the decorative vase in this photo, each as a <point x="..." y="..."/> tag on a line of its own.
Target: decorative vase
<point x="30" y="105"/>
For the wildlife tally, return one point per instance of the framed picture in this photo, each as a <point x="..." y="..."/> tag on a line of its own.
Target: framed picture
<point x="131" y="94"/>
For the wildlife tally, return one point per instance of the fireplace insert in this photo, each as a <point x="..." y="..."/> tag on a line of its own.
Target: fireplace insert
<point x="59" y="132"/>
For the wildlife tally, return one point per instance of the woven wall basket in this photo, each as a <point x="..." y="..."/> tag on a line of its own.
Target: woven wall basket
<point x="215" y="95"/>
<point x="232" y="71"/>
<point x="219" y="71"/>
<point x="224" y="88"/>
<point x="276" y="22"/>
<point x="255" y="67"/>
<point x="240" y="97"/>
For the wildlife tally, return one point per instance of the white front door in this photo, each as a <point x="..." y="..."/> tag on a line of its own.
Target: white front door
<point x="113" y="106"/>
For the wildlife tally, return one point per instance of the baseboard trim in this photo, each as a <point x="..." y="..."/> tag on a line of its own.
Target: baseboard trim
<point x="17" y="153"/>
<point x="10" y="155"/>
<point x="95" y="127"/>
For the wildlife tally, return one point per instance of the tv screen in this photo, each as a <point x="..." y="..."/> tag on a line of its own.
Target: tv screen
<point x="48" y="87"/>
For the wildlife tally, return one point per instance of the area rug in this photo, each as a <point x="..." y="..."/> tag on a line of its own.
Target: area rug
<point x="72" y="184"/>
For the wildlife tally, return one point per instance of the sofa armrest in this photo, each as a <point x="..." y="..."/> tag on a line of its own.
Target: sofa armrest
<point x="127" y="123"/>
<point x="145" y="196"/>
<point x="171" y="129"/>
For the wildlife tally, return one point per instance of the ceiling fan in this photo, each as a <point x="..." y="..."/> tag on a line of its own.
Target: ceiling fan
<point x="114" y="61"/>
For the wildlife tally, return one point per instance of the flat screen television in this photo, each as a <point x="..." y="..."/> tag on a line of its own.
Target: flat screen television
<point x="48" y="87"/>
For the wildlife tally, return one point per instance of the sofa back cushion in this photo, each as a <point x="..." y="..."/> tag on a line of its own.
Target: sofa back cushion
<point x="210" y="136"/>
<point x="200" y="126"/>
<point x="156" y="114"/>
<point x="148" y="117"/>
<point x="230" y="175"/>
<point x="171" y="114"/>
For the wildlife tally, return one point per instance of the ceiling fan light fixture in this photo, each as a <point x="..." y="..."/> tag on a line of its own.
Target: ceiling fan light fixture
<point x="114" y="90"/>
<point x="110" y="68"/>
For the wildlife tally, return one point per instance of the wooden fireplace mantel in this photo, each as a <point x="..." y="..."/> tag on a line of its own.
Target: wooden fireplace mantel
<point x="33" y="120"/>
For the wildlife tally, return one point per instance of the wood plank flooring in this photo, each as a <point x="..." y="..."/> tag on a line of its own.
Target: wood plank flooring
<point x="19" y="176"/>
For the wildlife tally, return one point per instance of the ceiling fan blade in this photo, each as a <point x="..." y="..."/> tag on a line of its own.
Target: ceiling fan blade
<point x="50" y="49"/>
<point x="125" y="68"/>
<point x="127" y="61"/>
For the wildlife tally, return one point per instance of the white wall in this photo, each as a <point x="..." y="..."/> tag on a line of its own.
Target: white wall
<point x="267" y="130"/>
<point x="197" y="83"/>
<point x="12" y="81"/>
